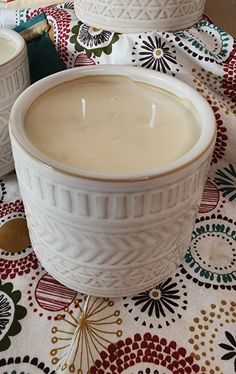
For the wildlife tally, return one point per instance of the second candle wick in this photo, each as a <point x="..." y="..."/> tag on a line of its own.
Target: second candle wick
<point x="153" y="115"/>
<point x="83" y="108"/>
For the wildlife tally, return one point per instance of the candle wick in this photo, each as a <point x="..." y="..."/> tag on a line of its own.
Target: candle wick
<point x="83" y="108"/>
<point x="153" y="115"/>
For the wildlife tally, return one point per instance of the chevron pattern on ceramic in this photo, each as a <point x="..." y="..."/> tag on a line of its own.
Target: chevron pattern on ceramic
<point x="108" y="281"/>
<point x="117" y="260"/>
<point x="4" y="133"/>
<point x="117" y="248"/>
<point x="6" y="159"/>
<point x="5" y="155"/>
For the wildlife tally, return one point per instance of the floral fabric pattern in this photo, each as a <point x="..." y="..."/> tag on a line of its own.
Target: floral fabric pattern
<point x="120" y="356"/>
<point x="197" y="43"/>
<point x="92" y="40"/>
<point x="10" y="314"/>
<point x="226" y="180"/>
<point x="2" y="191"/>
<point x="218" y="273"/>
<point x="230" y="347"/>
<point x="160" y="306"/>
<point x="158" y="300"/>
<point x="157" y="53"/>
<point x="98" y="323"/>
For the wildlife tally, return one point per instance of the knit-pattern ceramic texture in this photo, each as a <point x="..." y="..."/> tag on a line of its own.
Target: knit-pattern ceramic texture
<point x="90" y="235"/>
<point x="139" y="15"/>
<point x="14" y="78"/>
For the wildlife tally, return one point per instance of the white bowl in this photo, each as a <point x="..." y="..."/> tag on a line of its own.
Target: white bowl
<point x="14" y="78"/>
<point x="111" y="234"/>
<point x="132" y="16"/>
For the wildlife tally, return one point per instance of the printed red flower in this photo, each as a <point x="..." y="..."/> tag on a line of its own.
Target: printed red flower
<point x="139" y="349"/>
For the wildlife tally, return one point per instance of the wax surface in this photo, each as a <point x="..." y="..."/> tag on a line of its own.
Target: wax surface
<point x="111" y="124"/>
<point x="7" y="50"/>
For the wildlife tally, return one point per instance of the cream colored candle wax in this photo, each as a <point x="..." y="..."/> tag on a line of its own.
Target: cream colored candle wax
<point x="111" y="124"/>
<point x="7" y="50"/>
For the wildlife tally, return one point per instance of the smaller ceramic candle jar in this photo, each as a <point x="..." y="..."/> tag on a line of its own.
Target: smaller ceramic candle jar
<point x="132" y="16"/>
<point x="100" y="232"/>
<point x="14" y="78"/>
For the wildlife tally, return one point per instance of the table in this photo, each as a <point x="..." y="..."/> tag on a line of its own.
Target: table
<point x="183" y="325"/>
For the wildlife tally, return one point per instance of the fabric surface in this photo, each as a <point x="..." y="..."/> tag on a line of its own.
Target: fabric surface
<point x="183" y="325"/>
<point x="43" y="57"/>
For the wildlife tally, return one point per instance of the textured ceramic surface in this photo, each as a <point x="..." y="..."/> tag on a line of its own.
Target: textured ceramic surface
<point x="139" y="15"/>
<point x="111" y="235"/>
<point x="14" y="78"/>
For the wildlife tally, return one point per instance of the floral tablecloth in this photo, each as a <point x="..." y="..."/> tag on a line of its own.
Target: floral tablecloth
<point x="186" y="324"/>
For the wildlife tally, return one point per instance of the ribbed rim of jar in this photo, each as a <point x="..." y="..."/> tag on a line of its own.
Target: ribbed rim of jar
<point x="173" y="85"/>
<point x="18" y="40"/>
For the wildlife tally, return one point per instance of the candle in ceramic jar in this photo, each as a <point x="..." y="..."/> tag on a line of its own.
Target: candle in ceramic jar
<point x="7" y="50"/>
<point x="112" y="124"/>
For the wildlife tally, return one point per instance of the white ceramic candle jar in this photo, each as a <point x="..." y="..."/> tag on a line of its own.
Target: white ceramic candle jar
<point x="129" y="16"/>
<point x="14" y="78"/>
<point x="105" y="233"/>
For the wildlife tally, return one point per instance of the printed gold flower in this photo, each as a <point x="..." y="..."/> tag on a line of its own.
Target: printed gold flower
<point x="77" y="341"/>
